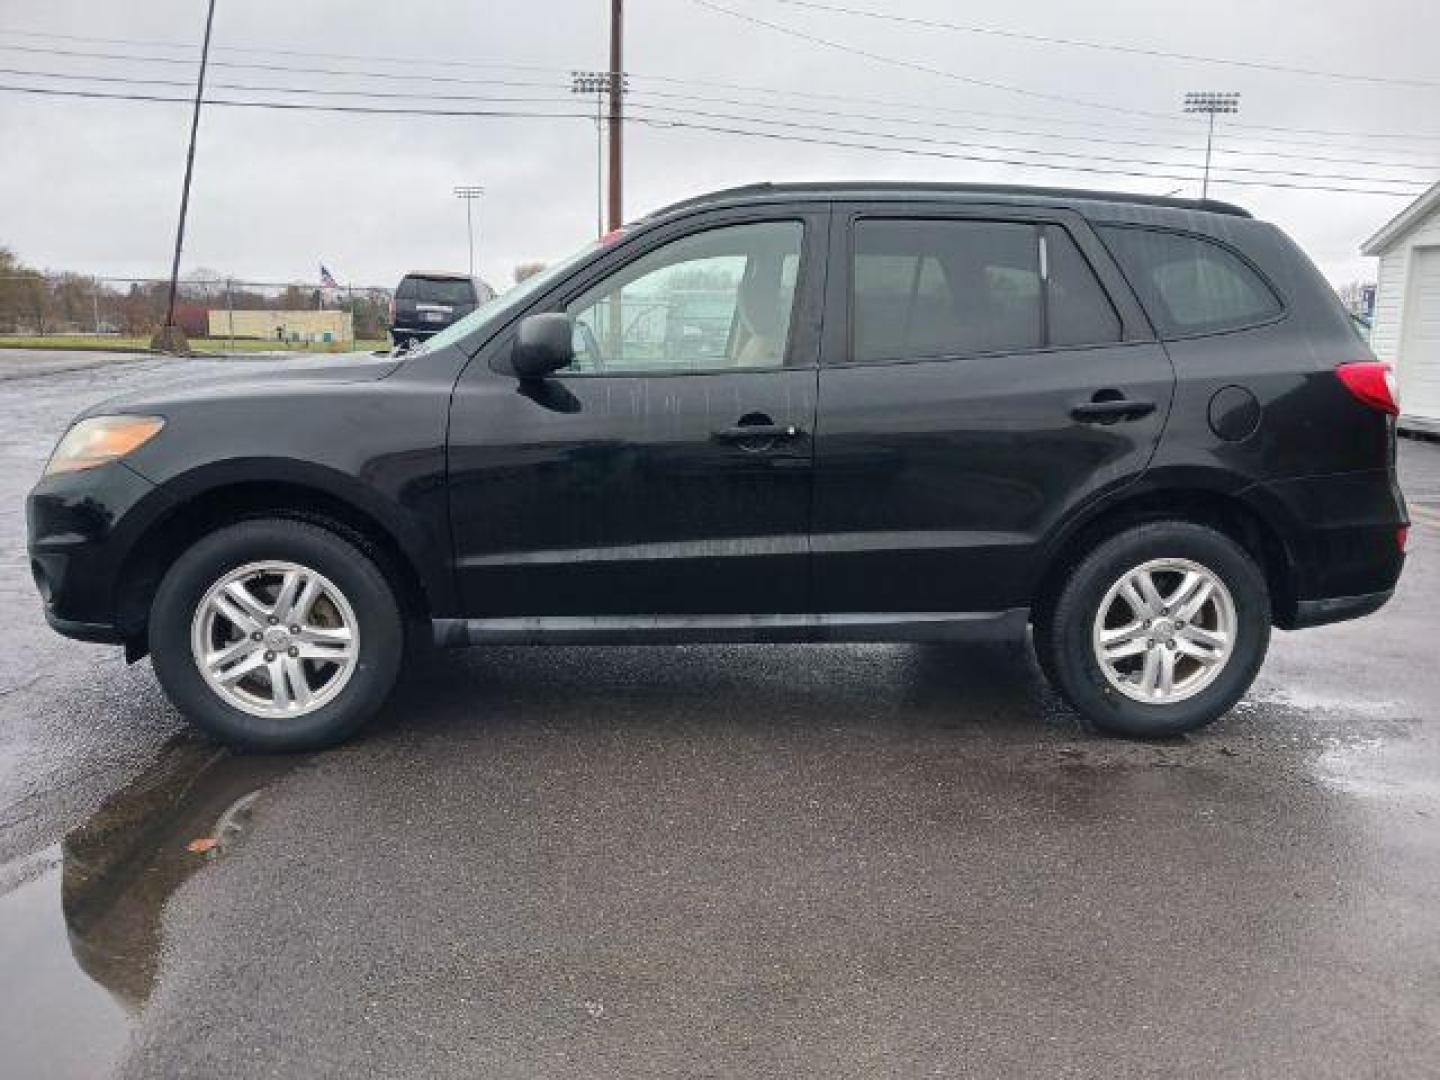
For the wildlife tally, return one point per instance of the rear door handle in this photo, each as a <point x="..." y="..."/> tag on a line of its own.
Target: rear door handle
<point x="1109" y="412"/>
<point x="751" y="432"/>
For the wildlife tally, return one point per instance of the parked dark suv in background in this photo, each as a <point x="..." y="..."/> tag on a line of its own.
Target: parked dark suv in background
<point x="1142" y="426"/>
<point x="425" y="304"/>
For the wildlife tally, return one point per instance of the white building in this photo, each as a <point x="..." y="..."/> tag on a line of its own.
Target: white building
<point x="1406" y="331"/>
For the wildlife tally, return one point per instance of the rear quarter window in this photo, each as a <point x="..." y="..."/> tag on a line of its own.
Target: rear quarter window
<point x="1190" y="285"/>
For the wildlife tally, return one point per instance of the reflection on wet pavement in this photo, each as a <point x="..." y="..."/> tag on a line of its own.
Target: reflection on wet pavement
<point x="114" y="874"/>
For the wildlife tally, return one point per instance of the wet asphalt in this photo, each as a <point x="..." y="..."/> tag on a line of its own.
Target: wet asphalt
<point x="719" y="861"/>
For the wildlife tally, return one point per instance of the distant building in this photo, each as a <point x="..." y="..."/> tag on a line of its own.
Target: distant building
<point x="308" y="326"/>
<point x="1406" y="330"/>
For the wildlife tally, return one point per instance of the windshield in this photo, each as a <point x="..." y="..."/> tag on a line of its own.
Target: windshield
<point x="502" y="305"/>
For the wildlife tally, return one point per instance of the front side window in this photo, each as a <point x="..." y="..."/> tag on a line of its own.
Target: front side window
<point x="717" y="300"/>
<point x="955" y="288"/>
<point x="1188" y="284"/>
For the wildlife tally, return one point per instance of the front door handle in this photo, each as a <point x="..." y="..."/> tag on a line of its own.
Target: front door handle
<point x="1111" y="411"/>
<point x="756" y="432"/>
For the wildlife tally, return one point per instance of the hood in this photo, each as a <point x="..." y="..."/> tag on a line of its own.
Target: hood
<point x="251" y="376"/>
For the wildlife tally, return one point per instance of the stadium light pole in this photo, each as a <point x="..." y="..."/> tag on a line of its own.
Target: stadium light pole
<point x="1211" y="103"/>
<point x="470" y="192"/>
<point x="189" y="166"/>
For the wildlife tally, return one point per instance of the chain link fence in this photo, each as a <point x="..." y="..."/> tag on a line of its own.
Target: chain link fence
<point x="74" y="309"/>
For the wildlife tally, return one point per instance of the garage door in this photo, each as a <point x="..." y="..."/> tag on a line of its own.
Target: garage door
<point x="1420" y="345"/>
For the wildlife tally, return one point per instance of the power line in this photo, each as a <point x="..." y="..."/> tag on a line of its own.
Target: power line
<point x="687" y="125"/>
<point x="1049" y="153"/>
<point x="895" y="61"/>
<point x="930" y="107"/>
<point x="126" y="80"/>
<point x="911" y="65"/>
<point x="1132" y="50"/>
<point x="270" y="50"/>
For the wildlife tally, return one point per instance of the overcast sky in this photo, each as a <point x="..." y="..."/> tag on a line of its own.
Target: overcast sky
<point x="93" y="186"/>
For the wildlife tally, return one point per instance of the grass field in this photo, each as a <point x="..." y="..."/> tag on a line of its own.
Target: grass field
<point x="120" y="343"/>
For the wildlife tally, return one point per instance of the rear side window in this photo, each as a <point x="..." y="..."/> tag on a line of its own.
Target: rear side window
<point x="1188" y="284"/>
<point x="934" y="288"/>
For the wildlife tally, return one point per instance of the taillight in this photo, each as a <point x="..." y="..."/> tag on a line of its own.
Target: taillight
<point x="1402" y="536"/>
<point x="1371" y="382"/>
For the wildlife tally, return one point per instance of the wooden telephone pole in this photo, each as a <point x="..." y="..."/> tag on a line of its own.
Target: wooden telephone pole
<point x="189" y="168"/>
<point x="617" y="95"/>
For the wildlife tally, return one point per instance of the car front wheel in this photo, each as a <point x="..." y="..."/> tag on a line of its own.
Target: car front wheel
<point x="1159" y="630"/>
<point x="276" y="635"/>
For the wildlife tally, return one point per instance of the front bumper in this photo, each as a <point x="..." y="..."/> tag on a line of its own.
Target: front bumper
<point x="83" y="528"/>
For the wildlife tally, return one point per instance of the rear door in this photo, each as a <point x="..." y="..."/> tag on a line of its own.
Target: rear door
<point x="991" y="372"/>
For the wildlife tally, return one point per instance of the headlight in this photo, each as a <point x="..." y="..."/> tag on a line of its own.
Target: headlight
<point x="101" y="439"/>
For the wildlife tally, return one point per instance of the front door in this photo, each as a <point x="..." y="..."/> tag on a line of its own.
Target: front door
<point x="994" y="374"/>
<point x="668" y="471"/>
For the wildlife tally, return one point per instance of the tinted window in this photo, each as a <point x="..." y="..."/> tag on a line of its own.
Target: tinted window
<point x="1190" y="285"/>
<point x="715" y="300"/>
<point x="1078" y="311"/>
<point x="437" y="290"/>
<point x="941" y="288"/>
<point x="952" y="288"/>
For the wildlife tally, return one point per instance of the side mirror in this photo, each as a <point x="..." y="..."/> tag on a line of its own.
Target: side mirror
<point x="543" y="344"/>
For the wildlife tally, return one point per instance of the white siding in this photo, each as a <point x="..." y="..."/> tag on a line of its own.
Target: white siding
<point x="1401" y="309"/>
<point x="1389" y="302"/>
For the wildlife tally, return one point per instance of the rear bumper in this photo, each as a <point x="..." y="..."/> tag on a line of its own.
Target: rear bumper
<point x="422" y="331"/>
<point x="1337" y="609"/>
<point x="1341" y="539"/>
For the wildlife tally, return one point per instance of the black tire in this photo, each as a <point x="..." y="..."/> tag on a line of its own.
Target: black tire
<point x="1065" y="638"/>
<point x="377" y="613"/>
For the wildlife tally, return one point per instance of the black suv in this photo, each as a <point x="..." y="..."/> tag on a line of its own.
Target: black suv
<point x="1142" y="426"/>
<point x="425" y="304"/>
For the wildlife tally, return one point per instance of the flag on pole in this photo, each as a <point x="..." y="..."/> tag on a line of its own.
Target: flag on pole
<point x="327" y="279"/>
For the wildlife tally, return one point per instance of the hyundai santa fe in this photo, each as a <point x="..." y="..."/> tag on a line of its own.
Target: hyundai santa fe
<point x="1141" y="427"/>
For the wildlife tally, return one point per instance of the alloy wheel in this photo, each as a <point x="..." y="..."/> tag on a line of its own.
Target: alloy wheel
<point x="275" y="639"/>
<point x="1164" y="631"/>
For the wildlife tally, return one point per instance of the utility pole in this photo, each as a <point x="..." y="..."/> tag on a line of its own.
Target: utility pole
<point x="1210" y="102"/>
<point x="189" y="167"/>
<point x="470" y="193"/>
<point x="617" y="92"/>
<point x="595" y="82"/>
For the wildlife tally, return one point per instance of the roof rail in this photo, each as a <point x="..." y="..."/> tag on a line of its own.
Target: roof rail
<point x="844" y="189"/>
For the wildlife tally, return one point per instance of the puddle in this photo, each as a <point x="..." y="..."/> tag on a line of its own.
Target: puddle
<point x="80" y="923"/>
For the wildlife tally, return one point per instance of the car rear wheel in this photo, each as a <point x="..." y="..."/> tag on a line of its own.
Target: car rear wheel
<point x="276" y="635"/>
<point x="1158" y="631"/>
